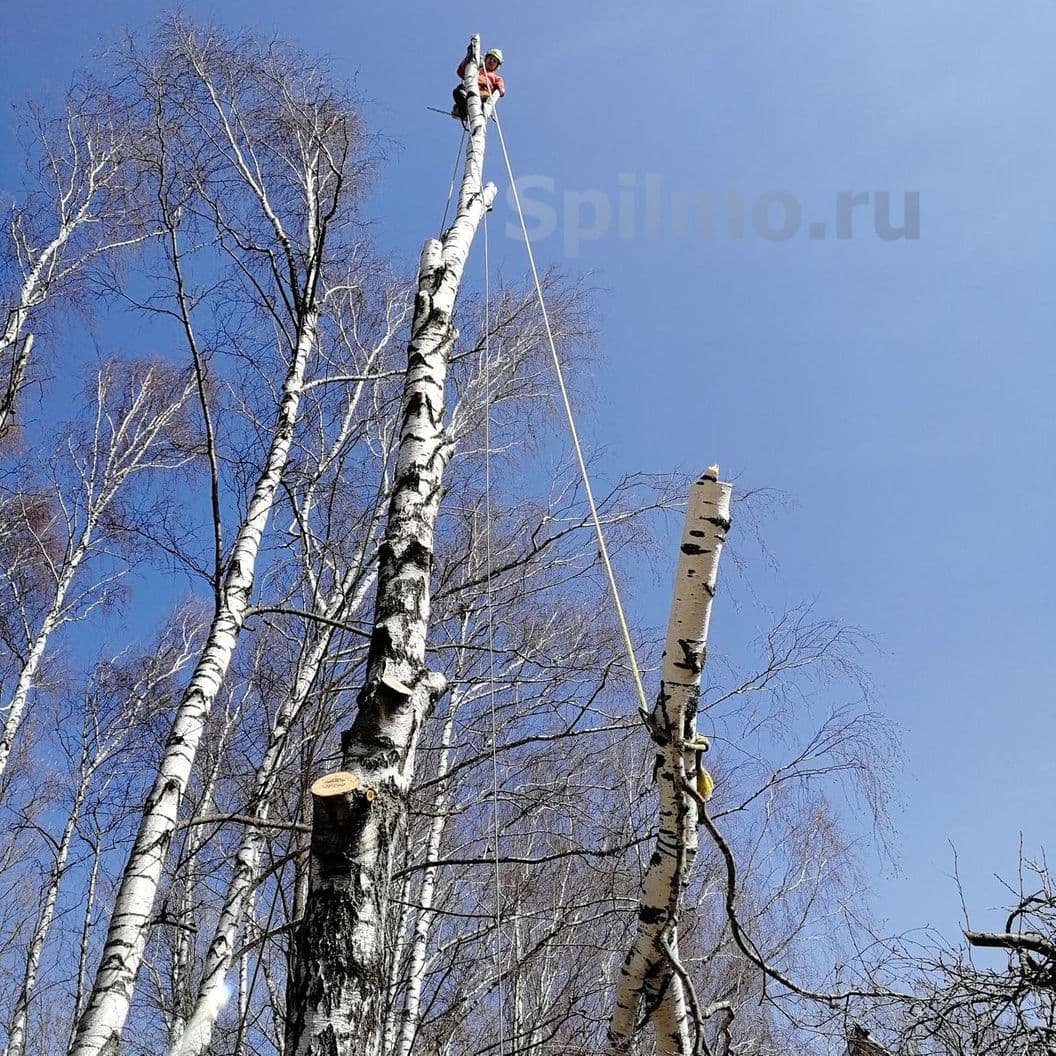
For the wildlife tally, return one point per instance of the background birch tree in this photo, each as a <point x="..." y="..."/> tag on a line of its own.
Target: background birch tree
<point x="993" y="992"/>
<point x="61" y="524"/>
<point x="78" y="206"/>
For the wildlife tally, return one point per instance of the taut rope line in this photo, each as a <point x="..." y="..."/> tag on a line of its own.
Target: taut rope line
<point x="603" y="550"/>
<point x="491" y="633"/>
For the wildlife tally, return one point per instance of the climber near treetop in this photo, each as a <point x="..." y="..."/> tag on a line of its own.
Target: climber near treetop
<point x="488" y="80"/>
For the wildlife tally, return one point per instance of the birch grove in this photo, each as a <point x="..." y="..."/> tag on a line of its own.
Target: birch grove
<point x="318" y="736"/>
<point x="216" y="104"/>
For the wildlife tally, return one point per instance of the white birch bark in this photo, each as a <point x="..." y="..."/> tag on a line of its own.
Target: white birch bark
<point x="83" y="945"/>
<point x="16" y="1035"/>
<point x="412" y="1004"/>
<point x="338" y="965"/>
<point x="15" y="707"/>
<point x="100" y="1026"/>
<point x="100" y="740"/>
<point x="222" y="947"/>
<point x="16" y="374"/>
<point x="243" y="994"/>
<point x="182" y="893"/>
<point x="31" y="293"/>
<point x="345" y="600"/>
<point x="647" y="970"/>
<point x="81" y="167"/>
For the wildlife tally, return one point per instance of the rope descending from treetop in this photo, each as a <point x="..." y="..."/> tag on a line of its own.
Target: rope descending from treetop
<point x="491" y="637"/>
<point x="451" y="186"/>
<point x="603" y="551"/>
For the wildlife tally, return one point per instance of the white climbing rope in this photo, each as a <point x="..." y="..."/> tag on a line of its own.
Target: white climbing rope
<point x="451" y="186"/>
<point x="603" y="550"/>
<point x="491" y="639"/>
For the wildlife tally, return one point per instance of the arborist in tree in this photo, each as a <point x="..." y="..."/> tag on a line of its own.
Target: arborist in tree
<point x="488" y="80"/>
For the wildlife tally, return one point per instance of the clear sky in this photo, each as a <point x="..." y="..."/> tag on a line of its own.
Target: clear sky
<point x="899" y="391"/>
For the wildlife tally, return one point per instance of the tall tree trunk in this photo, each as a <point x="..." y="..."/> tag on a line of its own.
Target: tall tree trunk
<point x="85" y="937"/>
<point x="183" y="892"/>
<point x="16" y="1034"/>
<point x="99" y="1029"/>
<point x="412" y="1004"/>
<point x="649" y="970"/>
<point x="212" y="990"/>
<point x="117" y="450"/>
<point x="338" y="964"/>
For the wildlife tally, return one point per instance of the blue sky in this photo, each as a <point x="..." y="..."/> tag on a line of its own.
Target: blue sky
<point x="900" y="392"/>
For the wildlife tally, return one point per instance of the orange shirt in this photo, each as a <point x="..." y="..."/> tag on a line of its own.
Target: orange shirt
<point x="486" y="81"/>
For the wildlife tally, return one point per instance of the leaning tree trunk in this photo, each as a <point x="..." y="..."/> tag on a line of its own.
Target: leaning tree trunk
<point x="338" y="963"/>
<point x="213" y="989"/>
<point x="16" y="706"/>
<point x="111" y="461"/>
<point x="651" y="970"/>
<point x="16" y="1031"/>
<point x="100" y="1026"/>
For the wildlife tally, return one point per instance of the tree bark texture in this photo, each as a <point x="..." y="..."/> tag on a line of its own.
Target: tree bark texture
<point x="212" y="990"/>
<point x="648" y="972"/>
<point x="339" y="962"/>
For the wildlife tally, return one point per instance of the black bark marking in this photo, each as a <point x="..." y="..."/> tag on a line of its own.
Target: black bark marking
<point x="692" y="658"/>
<point x="652" y="914"/>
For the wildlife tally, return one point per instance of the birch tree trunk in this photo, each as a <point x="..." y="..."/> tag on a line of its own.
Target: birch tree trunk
<point x="182" y="893"/>
<point x="252" y="151"/>
<point x="109" y="722"/>
<point x="213" y="990"/>
<point x="16" y="1034"/>
<point x="85" y="937"/>
<point x="344" y="600"/>
<point x="412" y="1004"/>
<point x="81" y="209"/>
<point x="15" y="708"/>
<point x="338" y="964"/>
<point x="99" y="1029"/>
<point x="649" y="969"/>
